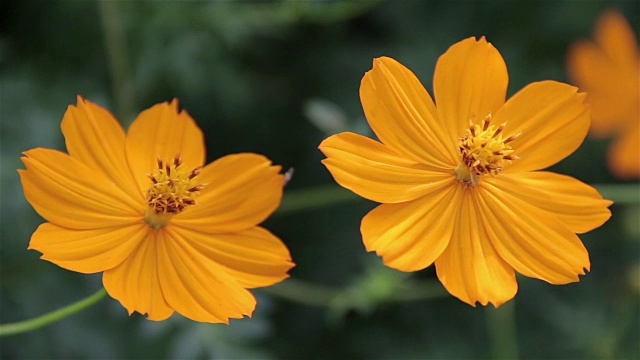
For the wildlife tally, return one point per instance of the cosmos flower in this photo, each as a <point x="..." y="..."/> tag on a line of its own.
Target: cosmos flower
<point x="458" y="178"/>
<point x="167" y="233"/>
<point x="608" y="69"/>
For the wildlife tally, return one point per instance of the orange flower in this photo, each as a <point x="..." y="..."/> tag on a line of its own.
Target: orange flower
<point x="458" y="181"/>
<point x="608" y="69"/>
<point x="168" y="234"/>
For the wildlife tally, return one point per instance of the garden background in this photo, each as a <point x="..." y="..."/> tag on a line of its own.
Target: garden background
<point x="277" y="78"/>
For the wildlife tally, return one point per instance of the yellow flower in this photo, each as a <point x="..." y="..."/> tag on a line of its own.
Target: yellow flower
<point x="457" y="180"/>
<point x="608" y="69"/>
<point x="168" y="234"/>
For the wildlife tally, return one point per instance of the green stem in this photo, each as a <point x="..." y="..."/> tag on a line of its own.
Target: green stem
<point x="316" y="197"/>
<point x="116" y="47"/>
<point x="46" y="319"/>
<point x="422" y="290"/>
<point x="620" y="193"/>
<point x="307" y="293"/>
<point x="327" y="195"/>
<point x="303" y="292"/>
<point x="501" y="330"/>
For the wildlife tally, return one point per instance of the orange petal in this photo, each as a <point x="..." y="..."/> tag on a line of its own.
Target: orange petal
<point x="616" y="38"/>
<point x="410" y="236"/>
<point x="470" y="268"/>
<point x="376" y="172"/>
<point x="575" y="203"/>
<point x="87" y="251"/>
<point x="95" y="138"/>
<point x="196" y="286"/>
<point x="135" y="282"/>
<point x="533" y="241"/>
<point x="253" y="257"/>
<point x="163" y="131"/>
<point x="624" y="154"/>
<point x="552" y="121"/>
<point x="470" y="82"/>
<point x="403" y="116"/>
<point x="242" y="191"/>
<point x="69" y="194"/>
<point x="612" y="91"/>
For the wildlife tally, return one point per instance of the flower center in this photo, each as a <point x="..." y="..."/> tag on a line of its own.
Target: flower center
<point x="483" y="151"/>
<point x="171" y="191"/>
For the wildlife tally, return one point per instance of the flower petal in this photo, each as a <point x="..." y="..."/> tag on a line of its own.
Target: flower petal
<point x="624" y="154"/>
<point x="95" y="138"/>
<point x="612" y="90"/>
<point x="69" y="194"/>
<point x="576" y="204"/>
<point x="617" y="41"/>
<point x="552" y="121"/>
<point x="616" y="38"/>
<point x="410" y="236"/>
<point x="470" y="82"/>
<point x="242" y="191"/>
<point x="87" y="251"/>
<point x="403" y="116"/>
<point x="540" y="246"/>
<point x="135" y="282"/>
<point x="375" y="171"/>
<point x="470" y="268"/>
<point x="196" y="286"/>
<point x="254" y="257"/>
<point x="163" y="131"/>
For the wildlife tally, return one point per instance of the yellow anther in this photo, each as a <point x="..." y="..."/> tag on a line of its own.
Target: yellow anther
<point x="483" y="151"/>
<point x="171" y="191"/>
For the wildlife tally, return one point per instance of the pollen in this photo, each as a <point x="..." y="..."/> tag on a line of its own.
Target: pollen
<point x="483" y="151"/>
<point x="172" y="189"/>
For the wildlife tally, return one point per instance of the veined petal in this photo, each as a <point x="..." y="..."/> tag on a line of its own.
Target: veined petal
<point x="573" y="202"/>
<point x="253" y="257"/>
<point x="135" y="282"/>
<point x="410" y="236"/>
<point x="87" y="251"/>
<point x="469" y="83"/>
<point x="532" y="240"/>
<point x="163" y="131"/>
<point x="470" y="268"/>
<point x="552" y="121"/>
<point x="196" y="286"/>
<point x="624" y="154"/>
<point x="403" y="116"/>
<point x="96" y="139"/>
<point x="69" y="194"/>
<point x="241" y="191"/>
<point x="377" y="172"/>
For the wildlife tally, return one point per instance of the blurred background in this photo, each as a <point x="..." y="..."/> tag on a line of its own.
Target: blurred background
<point x="277" y="78"/>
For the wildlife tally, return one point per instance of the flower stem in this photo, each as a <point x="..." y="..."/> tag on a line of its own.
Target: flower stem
<point x="303" y="292"/>
<point x="620" y="193"/>
<point x="311" y="294"/>
<point x="501" y="329"/>
<point x="315" y="197"/>
<point x="327" y="195"/>
<point x="46" y="319"/>
<point x="115" y="40"/>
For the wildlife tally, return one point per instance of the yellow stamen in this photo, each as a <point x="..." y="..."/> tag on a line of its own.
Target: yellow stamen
<point x="483" y="151"/>
<point x="171" y="191"/>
